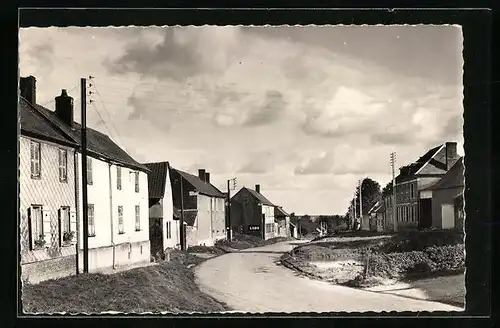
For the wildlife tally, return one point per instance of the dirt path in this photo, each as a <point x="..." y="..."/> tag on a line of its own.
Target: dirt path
<point x="251" y="281"/>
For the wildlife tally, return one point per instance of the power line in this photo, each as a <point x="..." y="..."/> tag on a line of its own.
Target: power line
<point x="107" y="112"/>
<point x="105" y="125"/>
<point x="53" y="99"/>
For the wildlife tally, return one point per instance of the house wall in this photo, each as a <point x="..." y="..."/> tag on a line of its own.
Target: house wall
<point x="283" y="226"/>
<point x="268" y="212"/>
<point x="52" y="261"/>
<point x="440" y="197"/>
<point x="210" y="222"/>
<point x="245" y="212"/>
<point x="106" y="197"/>
<point x="173" y="240"/>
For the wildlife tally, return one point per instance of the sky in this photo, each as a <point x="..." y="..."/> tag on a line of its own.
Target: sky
<point x="304" y="111"/>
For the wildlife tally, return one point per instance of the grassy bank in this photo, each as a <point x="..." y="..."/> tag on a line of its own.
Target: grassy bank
<point x="241" y="241"/>
<point x="167" y="286"/>
<point x="364" y="259"/>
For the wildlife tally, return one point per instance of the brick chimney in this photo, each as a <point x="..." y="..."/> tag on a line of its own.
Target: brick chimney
<point x="451" y="154"/>
<point x="207" y="177"/>
<point x="201" y="174"/>
<point x="257" y="188"/>
<point x="64" y="108"/>
<point x="27" y="86"/>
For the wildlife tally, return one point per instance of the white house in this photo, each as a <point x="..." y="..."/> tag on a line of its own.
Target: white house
<point x="164" y="224"/>
<point x="117" y="187"/>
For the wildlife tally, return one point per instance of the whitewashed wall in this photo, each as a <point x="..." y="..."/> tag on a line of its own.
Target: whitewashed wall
<point x="106" y="197"/>
<point x="168" y="214"/>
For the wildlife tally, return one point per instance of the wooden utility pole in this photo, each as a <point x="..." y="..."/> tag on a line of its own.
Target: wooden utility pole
<point x="228" y="211"/>
<point x="360" y="201"/>
<point x="394" y="212"/>
<point x="182" y="237"/>
<point x="85" y="209"/>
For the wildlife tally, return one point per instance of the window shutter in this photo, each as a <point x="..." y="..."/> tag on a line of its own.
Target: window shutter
<point x="30" y="228"/>
<point x="60" y="227"/>
<point x="46" y="227"/>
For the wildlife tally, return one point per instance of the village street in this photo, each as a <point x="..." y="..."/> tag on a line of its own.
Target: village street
<point x="252" y="281"/>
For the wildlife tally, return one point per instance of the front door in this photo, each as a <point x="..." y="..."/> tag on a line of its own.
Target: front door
<point x="425" y="213"/>
<point x="156" y="235"/>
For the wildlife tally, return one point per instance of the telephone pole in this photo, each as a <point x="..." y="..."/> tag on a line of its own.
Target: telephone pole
<point x="182" y="234"/>
<point x="228" y="207"/>
<point x="355" y="215"/>
<point x="360" y="201"/>
<point x="85" y="210"/>
<point x="394" y="218"/>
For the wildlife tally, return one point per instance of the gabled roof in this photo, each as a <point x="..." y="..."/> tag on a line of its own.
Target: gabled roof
<point x="263" y="200"/>
<point x="280" y="212"/>
<point x="157" y="179"/>
<point x="453" y="178"/>
<point x="97" y="143"/>
<point x="413" y="168"/>
<point x="199" y="185"/>
<point x="34" y="123"/>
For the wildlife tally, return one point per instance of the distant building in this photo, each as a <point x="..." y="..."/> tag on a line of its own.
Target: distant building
<point x="282" y="219"/>
<point x="253" y="214"/>
<point x="51" y="198"/>
<point x="447" y="198"/>
<point x="413" y="198"/>
<point x="376" y="215"/>
<point x="201" y="204"/>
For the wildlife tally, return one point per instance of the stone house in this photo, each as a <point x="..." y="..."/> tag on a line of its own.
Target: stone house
<point x="413" y="199"/>
<point x="201" y="204"/>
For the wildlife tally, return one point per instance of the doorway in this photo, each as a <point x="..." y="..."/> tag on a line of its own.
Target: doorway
<point x="425" y="217"/>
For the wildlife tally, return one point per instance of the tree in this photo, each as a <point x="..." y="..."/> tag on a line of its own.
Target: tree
<point x="370" y="194"/>
<point x="387" y="190"/>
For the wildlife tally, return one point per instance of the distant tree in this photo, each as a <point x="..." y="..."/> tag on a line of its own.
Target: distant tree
<point x="387" y="190"/>
<point x="370" y="194"/>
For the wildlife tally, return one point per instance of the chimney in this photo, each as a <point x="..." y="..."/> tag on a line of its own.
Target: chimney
<point x="207" y="177"/>
<point x="27" y="86"/>
<point x="451" y="154"/>
<point x="65" y="108"/>
<point x="257" y="188"/>
<point x="201" y="174"/>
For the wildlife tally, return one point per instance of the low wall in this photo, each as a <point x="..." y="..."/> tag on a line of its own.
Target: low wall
<point x="39" y="271"/>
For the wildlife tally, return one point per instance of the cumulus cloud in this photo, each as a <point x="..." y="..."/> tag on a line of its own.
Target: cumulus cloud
<point x="328" y="103"/>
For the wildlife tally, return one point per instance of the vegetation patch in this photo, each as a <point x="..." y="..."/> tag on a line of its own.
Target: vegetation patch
<point x="242" y="241"/>
<point x="168" y="286"/>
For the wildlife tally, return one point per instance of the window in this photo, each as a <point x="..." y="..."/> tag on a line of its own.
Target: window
<point x="118" y="178"/>
<point x="36" y="226"/>
<point x="412" y="191"/>
<point x="90" y="209"/>
<point x="63" y="165"/>
<point x="35" y="159"/>
<point x="89" y="171"/>
<point x="169" y="229"/>
<point x="65" y="234"/>
<point x="137" y="218"/>
<point x="121" y="229"/>
<point x="136" y="181"/>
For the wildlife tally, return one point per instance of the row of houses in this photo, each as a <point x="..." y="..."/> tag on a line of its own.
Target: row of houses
<point x="429" y="194"/>
<point x="134" y="209"/>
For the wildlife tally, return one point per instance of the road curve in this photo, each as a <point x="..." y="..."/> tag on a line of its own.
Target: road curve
<point x="252" y="281"/>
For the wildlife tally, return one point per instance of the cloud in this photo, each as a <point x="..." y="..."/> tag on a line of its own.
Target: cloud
<point x="321" y="164"/>
<point x="268" y="105"/>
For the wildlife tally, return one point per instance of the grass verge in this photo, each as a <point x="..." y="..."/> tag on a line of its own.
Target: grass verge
<point x="241" y="241"/>
<point x="167" y="286"/>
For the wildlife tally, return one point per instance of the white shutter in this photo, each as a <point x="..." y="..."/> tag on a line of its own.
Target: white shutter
<point x="72" y="223"/>
<point x="46" y="227"/>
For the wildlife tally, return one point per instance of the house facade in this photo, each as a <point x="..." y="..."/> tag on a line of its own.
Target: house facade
<point x="47" y="198"/>
<point x="376" y="214"/>
<point x="117" y="194"/>
<point x="447" y="199"/>
<point x="282" y="219"/>
<point x="253" y="214"/>
<point x="164" y="225"/>
<point x="388" y="212"/>
<point x="201" y="205"/>
<point x="413" y="199"/>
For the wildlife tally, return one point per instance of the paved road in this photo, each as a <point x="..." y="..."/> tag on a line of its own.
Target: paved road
<point x="251" y="281"/>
